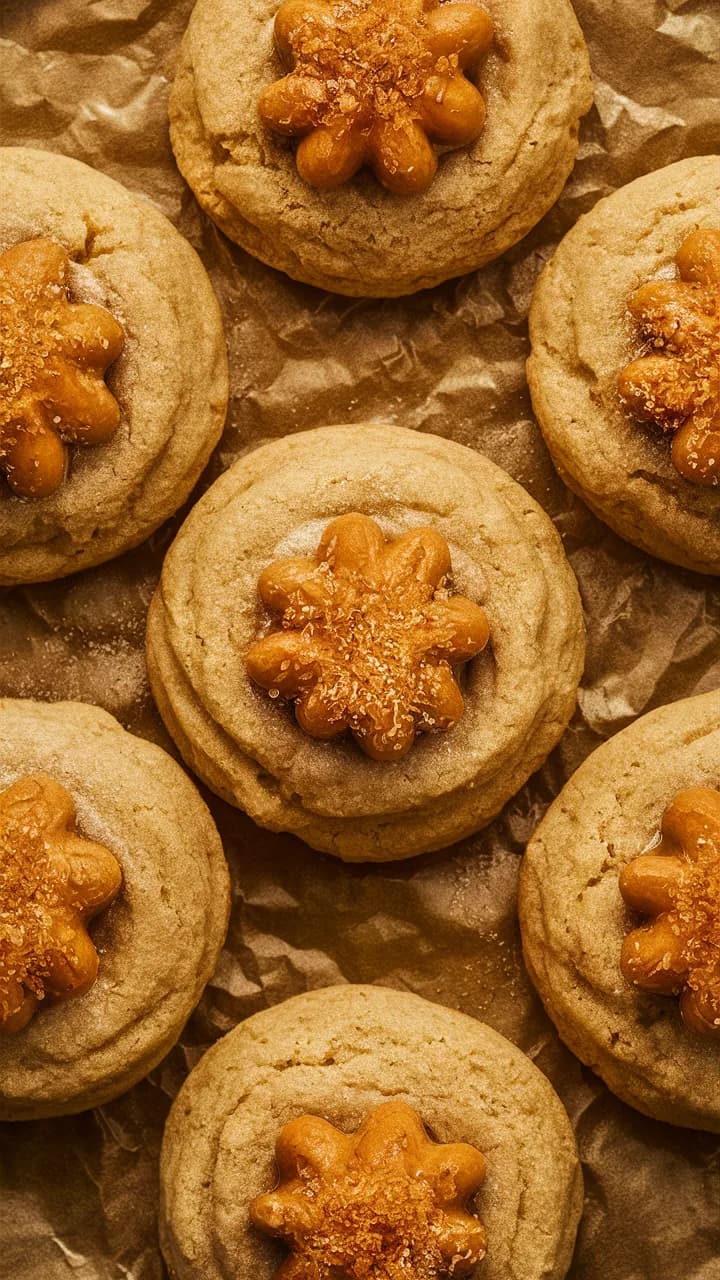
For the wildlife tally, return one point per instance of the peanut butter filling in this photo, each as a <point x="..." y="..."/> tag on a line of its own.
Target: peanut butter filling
<point x="376" y="82"/>
<point x="677" y="886"/>
<point x="676" y="382"/>
<point x="369" y="637"/>
<point x="52" y="882"/>
<point x="384" y="1203"/>
<point x="53" y="357"/>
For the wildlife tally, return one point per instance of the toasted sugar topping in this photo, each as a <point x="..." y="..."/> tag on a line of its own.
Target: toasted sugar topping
<point x="53" y="357"/>
<point x="676" y="381"/>
<point x="697" y="913"/>
<point x="52" y="881"/>
<point x="370" y="57"/>
<point x="27" y="896"/>
<point x="677" y="888"/>
<point x="370" y="634"/>
<point x="386" y="1203"/>
<point x="376" y="82"/>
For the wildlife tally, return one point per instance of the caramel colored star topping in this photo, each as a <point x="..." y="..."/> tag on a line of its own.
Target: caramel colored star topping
<point x="377" y="82"/>
<point x="677" y="885"/>
<point x="53" y="357"/>
<point x="52" y="882"/>
<point x="676" y="383"/>
<point x="384" y="1203"/>
<point x="369" y="637"/>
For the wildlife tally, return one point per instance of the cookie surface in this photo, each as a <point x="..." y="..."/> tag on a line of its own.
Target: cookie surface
<point x="170" y="380"/>
<point x="337" y="1053"/>
<point x="582" y="339"/>
<point x="158" y="942"/>
<point x="573" y="918"/>
<point x="519" y="693"/>
<point x="360" y="240"/>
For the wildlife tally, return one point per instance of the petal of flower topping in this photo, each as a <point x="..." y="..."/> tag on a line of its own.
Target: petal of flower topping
<point x="701" y="1009"/>
<point x="290" y="106"/>
<point x="456" y="1169"/>
<point x="421" y="554"/>
<point x="439" y="698"/>
<point x="91" y="876"/>
<point x="655" y="383"/>
<point x="654" y="957"/>
<point x="698" y="259"/>
<point x="457" y="629"/>
<point x="402" y="157"/>
<point x="21" y="1005"/>
<point x="696" y="451"/>
<point x="385" y="734"/>
<point x="465" y="30"/>
<point x="46" y="265"/>
<point x="668" y="308"/>
<point x="693" y="818"/>
<point x="293" y="586"/>
<point x="292" y="20"/>
<point x="72" y="961"/>
<point x="91" y="336"/>
<point x="39" y="800"/>
<point x="314" y="711"/>
<point x="33" y="456"/>
<point x="352" y="542"/>
<point x="82" y="407"/>
<point x="330" y="156"/>
<point x="650" y="882"/>
<point x="284" y="660"/>
<point x="452" y="110"/>
<point x="310" y="1143"/>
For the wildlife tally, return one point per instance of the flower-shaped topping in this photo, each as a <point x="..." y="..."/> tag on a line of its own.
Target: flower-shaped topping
<point x="52" y="882"/>
<point x="677" y="884"/>
<point x="384" y="1203"/>
<point x="376" y="82"/>
<point x="677" y="382"/>
<point x="370" y="635"/>
<point x="53" y="357"/>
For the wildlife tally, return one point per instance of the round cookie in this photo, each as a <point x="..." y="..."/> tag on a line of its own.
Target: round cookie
<point x="159" y="940"/>
<point x="360" y="239"/>
<point x="583" y="337"/>
<point x="170" y="380"/>
<point x="519" y="692"/>
<point x="337" y="1053"/>
<point x="574" y="919"/>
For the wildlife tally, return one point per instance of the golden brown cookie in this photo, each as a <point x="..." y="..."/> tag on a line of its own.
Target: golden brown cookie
<point x="470" y="121"/>
<point x="457" y="721"/>
<point x="113" y="911"/>
<point x="340" y="1083"/>
<point x="113" y="386"/>
<point x="620" y="913"/>
<point x="625" y="331"/>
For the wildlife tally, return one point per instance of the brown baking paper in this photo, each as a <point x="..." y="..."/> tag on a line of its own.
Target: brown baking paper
<point x="90" y="78"/>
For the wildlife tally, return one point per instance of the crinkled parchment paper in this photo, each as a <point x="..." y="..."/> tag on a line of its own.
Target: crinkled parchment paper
<point x="90" y="78"/>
